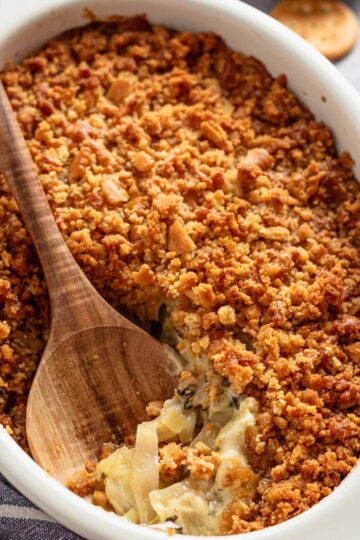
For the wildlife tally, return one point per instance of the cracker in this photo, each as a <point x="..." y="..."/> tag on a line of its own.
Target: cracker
<point x="329" y="25"/>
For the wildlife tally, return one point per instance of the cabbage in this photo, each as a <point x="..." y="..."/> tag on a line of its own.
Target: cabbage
<point x="207" y="435"/>
<point x="230" y="441"/>
<point x="145" y="470"/>
<point x="173" y="420"/>
<point x="186" y="506"/>
<point x="117" y="470"/>
<point x="131" y="476"/>
<point x="187" y="434"/>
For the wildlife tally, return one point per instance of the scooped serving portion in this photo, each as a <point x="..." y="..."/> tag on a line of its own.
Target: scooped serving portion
<point x="197" y="192"/>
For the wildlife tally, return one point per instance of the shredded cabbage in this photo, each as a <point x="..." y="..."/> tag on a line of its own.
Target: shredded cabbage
<point x="230" y="441"/>
<point x="145" y="471"/>
<point x="173" y="420"/>
<point x="189" y="508"/>
<point x="117" y="470"/>
<point x="131" y="476"/>
<point x="187" y="434"/>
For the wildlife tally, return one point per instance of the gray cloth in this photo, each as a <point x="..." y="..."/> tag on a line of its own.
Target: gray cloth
<point x="19" y="519"/>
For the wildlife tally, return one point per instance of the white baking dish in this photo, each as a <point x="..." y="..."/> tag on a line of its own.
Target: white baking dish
<point x="24" y="25"/>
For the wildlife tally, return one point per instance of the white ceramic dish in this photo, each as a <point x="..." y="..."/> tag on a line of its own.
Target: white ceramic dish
<point x="24" y="25"/>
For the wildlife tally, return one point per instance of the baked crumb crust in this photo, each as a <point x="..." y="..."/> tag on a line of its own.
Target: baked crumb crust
<point x="181" y="173"/>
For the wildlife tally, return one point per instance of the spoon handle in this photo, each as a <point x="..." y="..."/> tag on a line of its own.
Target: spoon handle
<point x="68" y="286"/>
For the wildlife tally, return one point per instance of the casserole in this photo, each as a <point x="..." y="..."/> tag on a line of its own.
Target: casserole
<point x="313" y="88"/>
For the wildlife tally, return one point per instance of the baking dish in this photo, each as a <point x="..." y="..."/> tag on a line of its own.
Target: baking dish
<point x="330" y="98"/>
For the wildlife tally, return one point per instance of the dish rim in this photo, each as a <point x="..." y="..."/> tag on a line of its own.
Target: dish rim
<point x="74" y="512"/>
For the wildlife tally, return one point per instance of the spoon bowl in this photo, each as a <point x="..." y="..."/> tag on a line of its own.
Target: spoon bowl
<point x="91" y="388"/>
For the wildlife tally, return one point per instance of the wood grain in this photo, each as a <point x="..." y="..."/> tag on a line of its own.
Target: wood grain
<point x="98" y="370"/>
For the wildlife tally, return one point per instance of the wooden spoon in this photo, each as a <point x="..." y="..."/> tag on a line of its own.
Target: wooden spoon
<point x="98" y="370"/>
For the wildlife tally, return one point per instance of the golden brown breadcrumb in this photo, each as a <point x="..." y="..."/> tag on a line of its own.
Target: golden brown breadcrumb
<point x="182" y="174"/>
<point x="200" y="461"/>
